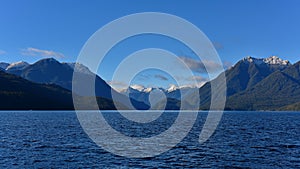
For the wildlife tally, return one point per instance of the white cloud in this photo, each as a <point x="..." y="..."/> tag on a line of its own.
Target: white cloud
<point x="39" y="52"/>
<point x="194" y="65"/>
<point x="200" y="66"/>
<point x="161" y="77"/>
<point x="218" y="45"/>
<point x="2" y="52"/>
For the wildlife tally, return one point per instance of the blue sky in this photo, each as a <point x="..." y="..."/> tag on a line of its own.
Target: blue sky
<point x="34" y="29"/>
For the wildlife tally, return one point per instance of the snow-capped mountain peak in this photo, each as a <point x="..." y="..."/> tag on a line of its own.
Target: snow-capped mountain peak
<point x="172" y="88"/>
<point x="138" y="87"/>
<point x="17" y="65"/>
<point x="251" y="59"/>
<point x="141" y="88"/>
<point x="147" y="90"/>
<point x="272" y="60"/>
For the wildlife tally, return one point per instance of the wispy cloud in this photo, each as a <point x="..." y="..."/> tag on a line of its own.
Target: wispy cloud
<point x="143" y="77"/>
<point x="200" y="67"/>
<point x="194" y="65"/>
<point x="161" y="77"/>
<point x="2" y="52"/>
<point x="197" y="78"/>
<point x="39" y="52"/>
<point x="218" y="45"/>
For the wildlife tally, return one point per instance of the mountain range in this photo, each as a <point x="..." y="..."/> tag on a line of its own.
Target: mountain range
<point x="252" y="84"/>
<point x="51" y="72"/>
<point x="260" y="84"/>
<point x="17" y="93"/>
<point x="279" y="89"/>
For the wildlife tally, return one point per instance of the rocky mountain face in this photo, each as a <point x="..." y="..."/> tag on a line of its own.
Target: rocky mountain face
<point x="279" y="89"/>
<point x="258" y="84"/>
<point x="3" y="66"/>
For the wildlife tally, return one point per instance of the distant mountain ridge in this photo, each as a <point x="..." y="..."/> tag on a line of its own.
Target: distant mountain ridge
<point x="252" y="84"/>
<point x="17" y="66"/>
<point x="17" y="93"/>
<point x="141" y="93"/>
<point x="50" y="71"/>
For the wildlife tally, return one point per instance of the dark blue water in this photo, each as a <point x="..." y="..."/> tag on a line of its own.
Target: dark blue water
<point x="242" y="140"/>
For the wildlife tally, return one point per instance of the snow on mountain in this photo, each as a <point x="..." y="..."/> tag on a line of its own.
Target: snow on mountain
<point x="172" y="88"/>
<point x="3" y="65"/>
<point x="147" y="90"/>
<point x="141" y="88"/>
<point x="273" y="60"/>
<point x="253" y="60"/>
<point x="17" y="66"/>
<point x="138" y="87"/>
